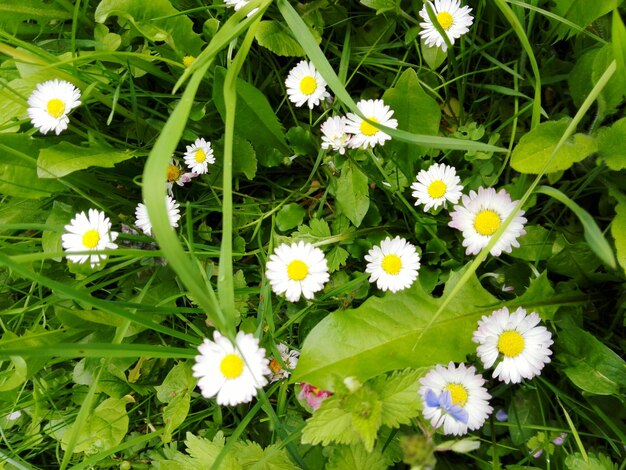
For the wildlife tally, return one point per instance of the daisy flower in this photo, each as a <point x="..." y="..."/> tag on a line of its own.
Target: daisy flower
<point x="288" y="357"/>
<point x="480" y="215"/>
<point x="233" y="372"/>
<point x="50" y="104"/>
<point x="143" y="222"/>
<point x="297" y="269"/>
<point x="365" y="134"/>
<point x="305" y="85"/>
<point x="335" y="135"/>
<point x="312" y="395"/>
<point x="393" y="265"/>
<point x="436" y="185"/>
<point x="199" y="156"/>
<point x="468" y="405"/>
<point x="90" y="232"/>
<point x="453" y="19"/>
<point x="175" y="175"/>
<point x="514" y="340"/>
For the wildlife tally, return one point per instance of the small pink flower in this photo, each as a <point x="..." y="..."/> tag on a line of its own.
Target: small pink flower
<point x="312" y="395"/>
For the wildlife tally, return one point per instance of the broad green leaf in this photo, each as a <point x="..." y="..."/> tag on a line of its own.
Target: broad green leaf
<point x="618" y="231"/>
<point x="380" y="6"/>
<point x="417" y="113"/>
<point x="289" y="216"/>
<point x="156" y="20"/>
<point x="593" y="235"/>
<point x="523" y="412"/>
<point x="179" y="381"/>
<point x="104" y="429"/>
<point x="174" y="414"/>
<point x="612" y="95"/>
<point x="18" y="168"/>
<point x="65" y="158"/>
<point x="255" y="119"/>
<point x="592" y="366"/>
<point x="393" y="332"/>
<point x="579" y="80"/>
<point x="581" y="13"/>
<point x="336" y="258"/>
<point x="535" y="149"/>
<point x="536" y="245"/>
<point x="356" y="457"/>
<point x="539" y="297"/>
<point x="611" y="145"/>
<point x="366" y="411"/>
<point x="352" y="193"/>
<point x="14" y="12"/>
<point x="274" y="36"/>
<point x="591" y="461"/>
<point x="330" y="423"/>
<point x="245" y="161"/>
<point x="433" y="56"/>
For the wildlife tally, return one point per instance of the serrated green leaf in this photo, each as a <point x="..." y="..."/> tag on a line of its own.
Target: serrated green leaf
<point x="384" y="334"/>
<point x="592" y="366"/>
<point x="65" y="158"/>
<point x="330" y="423"/>
<point x="356" y="457"/>
<point x="255" y="120"/>
<point x="611" y="145"/>
<point x="105" y="428"/>
<point x="591" y="461"/>
<point x="336" y="258"/>
<point x="289" y="216"/>
<point x="535" y="149"/>
<point x="317" y="229"/>
<point x="397" y="393"/>
<point x="274" y="36"/>
<point x="156" y="20"/>
<point x="252" y="456"/>
<point x="203" y="452"/>
<point x="417" y="113"/>
<point x="18" y="168"/>
<point x="536" y="245"/>
<point x="352" y="193"/>
<point x="366" y="411"/>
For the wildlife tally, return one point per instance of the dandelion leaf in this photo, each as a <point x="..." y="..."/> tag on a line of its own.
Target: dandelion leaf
<point x="65" y="158"/>
<point x="534" y="150"/>
<point x="396" y="331"/>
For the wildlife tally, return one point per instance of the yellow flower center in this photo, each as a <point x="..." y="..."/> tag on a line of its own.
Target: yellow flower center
<point x="511" y="343"/>
<point x="231" y="366"/>
<point x="368" y="129"/>
<point x="437" y="189"/>
<point x="55" y="108"/>
<point x="392" y="264"/>
<point x="173" y="173"/>
<point x="188" y="60"/>
<point x="91" y="238"/>
<point x="308" y="85"/>
<point x="487" y="222"/>
<point x="200" y="156"/>
<point x="458" y="394"/>
<point x="445" y="19"/>
<point x="297" y="270"/>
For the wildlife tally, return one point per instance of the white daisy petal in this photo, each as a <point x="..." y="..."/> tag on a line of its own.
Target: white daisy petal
<point x="50" y="104"/>
<point x="232" y="373"/>
<point x="393" y="265"/>
<point x="297" y="270"/>
<point x="199" y="156"/>
<point x="480" y="215"/>
<point x="143" y="222"/>
<point x="365" y="134"/>
<point x="468" y="406"/>
<point x="522" y="347"/>
<point x="453" y="19"/>
<point x="305" y="85"/>
<point x="334" y="134"/>
<point x="436" y="185"/>
<point x="86" y="233"/>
